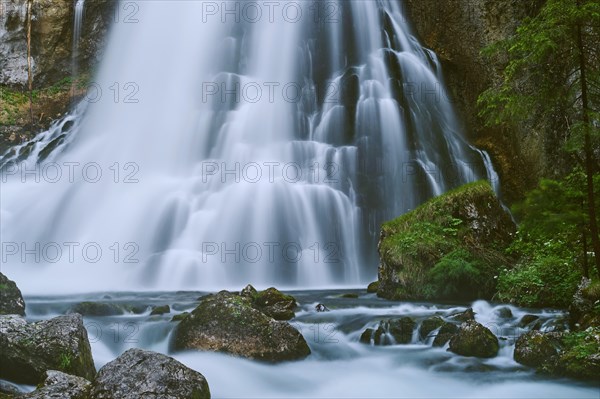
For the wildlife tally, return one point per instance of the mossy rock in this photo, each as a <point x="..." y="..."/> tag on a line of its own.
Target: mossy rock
<point x="350" y="295"/>
<point x="27" y="350"/>
<point x="366" y="335"/>
<point x="11" y="300"/>
<point x="274" y="303"/>
<point x="429" y="325"/>
<point x="451" y="247"/>
<point x="180" y="316"/>
<point x="467" y="315"/>
<point x="446" y="332"/>
<point x="373" y="287"/>
<point x="89" y="308"/>
<point x="400" y="329"/>
<point x="227" y="322"/>
<point x="159" y="310"/>
<point x="534" y="349"/>
<point x="580" y="357"/>
<point x="473" y="339"/>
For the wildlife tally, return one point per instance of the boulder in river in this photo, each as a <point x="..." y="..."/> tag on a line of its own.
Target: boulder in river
<point x="58" y="385"/>
<point x="227" y="322"/>
<point x="534" y="348"/>
<point x="90" y="308"/>
<point x="473" y="339"/>
<point x="27" y="350"/>
<point x="468" y="314"/>
<point x="275" y="303"/>
<point x="445" y="333"/>
<point x="429" y="325"/>
<point x="400" y="330"/>
<point x="140" y="374"/>
<point x="11" y="300"/>
<point x="372" y="287"/>
<point x="162" y="309"/>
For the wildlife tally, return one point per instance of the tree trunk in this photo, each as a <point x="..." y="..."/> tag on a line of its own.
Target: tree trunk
<point x="589" y="155"/>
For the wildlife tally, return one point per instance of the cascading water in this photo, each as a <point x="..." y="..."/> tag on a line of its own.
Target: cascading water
<point x="77" y="21"/>
<point x="214" y="152"/>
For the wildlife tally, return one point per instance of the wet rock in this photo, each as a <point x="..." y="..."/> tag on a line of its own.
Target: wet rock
<point x="8" y="390"/>
<point x="504" y="312"/>
<point x="27" y="350"/>
<point x="11" y="300"/>
<point x="249" y="291"/>
<point x="321" y="308"/>
<point x="429" y="325"/>
<point x="180" y="316"/>
<point x="227" y="322"/>
<point x="89" y="308"/>
<point x="350" y="295"/>
<point x="365" y="337"/>
<point x="140" y="374"/>
<point x="401" y="331"/>
<point x="473" y="339"/>
<point x="463" y="316"/>
<point x="162" y="309"/>
<point x="580" y="357"/>
<point x="275" y="304"/>
<point x="372" y="287"/>
<point x="581" y="310"/>
<point x="528" y="320"/>
<point x="58" y="385"/>
<point x="534" y="348"/>
<point x="444" y="335"/>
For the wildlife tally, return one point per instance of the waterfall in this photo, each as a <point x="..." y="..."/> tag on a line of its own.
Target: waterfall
<point x="240" y="142"/>
<point x="78" y="17"/>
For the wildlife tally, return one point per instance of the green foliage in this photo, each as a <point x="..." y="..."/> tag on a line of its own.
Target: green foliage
<point x="459" y="275"/>
<point x="435" y="253"/>
<point x="542" y="72"/>
<point x="549" y="245"/>
<point x="65" y="362"/>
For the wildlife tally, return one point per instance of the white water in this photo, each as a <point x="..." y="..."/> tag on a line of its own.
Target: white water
<point x="77" y="21"/>
<point x="339" y="365"/>
<point x="371" y="135"/>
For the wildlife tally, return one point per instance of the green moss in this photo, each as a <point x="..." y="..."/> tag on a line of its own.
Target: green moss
<point x="579" y="356"/>
<point x="434" y="251"/>
<point x="65" y="361"/>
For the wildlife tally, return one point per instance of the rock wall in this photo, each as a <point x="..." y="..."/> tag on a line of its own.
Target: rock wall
<point x="457" y="30"/>
<point x="51" y="39"/>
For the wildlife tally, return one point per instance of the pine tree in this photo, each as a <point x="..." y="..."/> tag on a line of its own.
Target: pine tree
<point x="553" y="72"/>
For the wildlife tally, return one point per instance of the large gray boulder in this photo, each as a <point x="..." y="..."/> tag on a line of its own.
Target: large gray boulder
<point x="27" y="350"/>
<point x="227" y="322"/>
<point x="473" y="339"/>
<point x="140" y="374"/>
<point x="534" y="348"/>
<point x="11" y="300"/>
<point x="58" y="385"/>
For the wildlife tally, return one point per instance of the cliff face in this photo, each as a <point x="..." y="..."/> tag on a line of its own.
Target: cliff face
<point x="51" y="39"/>
<point x="457" y="30"/>
<point x="52" y="24"/>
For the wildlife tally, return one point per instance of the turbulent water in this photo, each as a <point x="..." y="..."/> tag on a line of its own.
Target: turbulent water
<point x="226" y="142"/>
<point x="339" y="365"/>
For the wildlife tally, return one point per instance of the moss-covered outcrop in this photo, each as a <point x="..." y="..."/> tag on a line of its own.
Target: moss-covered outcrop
<point x="451" y="247"/>
<point x="473" y="339"/>
<point x="11" y="300"/>
<point x="227" y="322"/>
<point x="573" y="354"/>
<point x="27" y="350"/>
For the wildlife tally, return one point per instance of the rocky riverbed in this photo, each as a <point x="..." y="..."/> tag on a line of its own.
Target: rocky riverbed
<point x="339" y="364"/>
